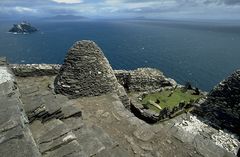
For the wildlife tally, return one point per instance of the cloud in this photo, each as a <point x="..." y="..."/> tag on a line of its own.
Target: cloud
<point x="232" y="2"/>
<point x="68" y="1"/>
<point x="124" y="8"/>
<point x="24" y="10"/>
<point x="17" y="10"/>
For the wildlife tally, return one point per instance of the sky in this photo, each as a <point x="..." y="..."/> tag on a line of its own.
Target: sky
<point x="204" y="9"/>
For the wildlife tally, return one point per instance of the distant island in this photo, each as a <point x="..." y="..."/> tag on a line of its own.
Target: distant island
<point x="23" y="28"/>
<point x="65" y="17"/>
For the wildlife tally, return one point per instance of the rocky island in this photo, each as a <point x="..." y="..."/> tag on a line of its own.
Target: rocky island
<point x="23" y="28"/>
<point x="84" y="108"/>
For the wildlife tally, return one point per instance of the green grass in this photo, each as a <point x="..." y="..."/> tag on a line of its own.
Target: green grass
<point x="177" y="96"/>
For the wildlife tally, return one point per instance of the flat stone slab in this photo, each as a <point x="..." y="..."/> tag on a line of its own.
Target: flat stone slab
<point x="67" y="150"/>
<point x="93" y="140"/>
<point x="74" y="124"/>
<point x="19" y="147"/>
<point x="114" y="152"/>
<point x="71" y="111"/>
<point x="144" y="133"/>
<point x="53" y="134"/>
<point x="208" y="149"/>
<point x="57" y="143"/>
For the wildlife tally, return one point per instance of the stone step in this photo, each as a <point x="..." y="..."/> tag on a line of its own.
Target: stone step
<point x="15" y="136"/>
<point x="72" y="149"/>
<point x="113" y="152"/>
<point x="93" y="139"/>
<point x="47" y="107"/>
<point x="55" y="138"/>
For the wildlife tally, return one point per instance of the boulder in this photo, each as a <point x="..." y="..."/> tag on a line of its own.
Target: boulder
<point x="85" y="72"/>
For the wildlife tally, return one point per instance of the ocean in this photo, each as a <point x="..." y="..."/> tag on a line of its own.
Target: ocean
<point x="202" y="53"/>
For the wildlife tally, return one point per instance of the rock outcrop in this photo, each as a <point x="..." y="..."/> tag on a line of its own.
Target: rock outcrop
<point x="143" y="79"/>
<point x="22" y="28"/>
<point x="85" y="72"/>
<point x="222" y="106"/>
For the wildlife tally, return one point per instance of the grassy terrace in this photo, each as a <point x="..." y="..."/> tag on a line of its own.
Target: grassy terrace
<point x="159" y="100"/>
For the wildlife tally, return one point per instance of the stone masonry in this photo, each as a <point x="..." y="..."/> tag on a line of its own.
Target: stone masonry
<point x="143" y="79"/>
<point x="85" y="72"/>
<point x="223" y="104"/>
<point x="31" y="70"/>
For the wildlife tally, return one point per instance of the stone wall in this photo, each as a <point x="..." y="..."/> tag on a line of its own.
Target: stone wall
<point x="222" y="106"/>
<point x="143" y="79"/>
<point x="31" y="70"/>
<point x="150" y="116"/>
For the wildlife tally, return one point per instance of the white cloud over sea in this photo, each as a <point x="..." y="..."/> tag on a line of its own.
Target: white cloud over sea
<point x="124" y="8"/>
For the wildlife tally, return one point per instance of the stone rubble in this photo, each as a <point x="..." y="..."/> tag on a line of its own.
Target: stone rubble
<point x="221" y="138"/>
<point x="227" y="141"/>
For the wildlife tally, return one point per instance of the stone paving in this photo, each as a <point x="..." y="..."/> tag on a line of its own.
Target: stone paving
<point x="106" y="128"/>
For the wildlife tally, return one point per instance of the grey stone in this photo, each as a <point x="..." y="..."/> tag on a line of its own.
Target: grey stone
<point x="146" y="146"/>
<point x="30" y="90"/>
<point x="15" y="137"/>
<point x="74" y="124"/>
<point x="71" y="111"/>
<point x="144" y="133"/>
<point x="31" y="70"/>
<point x="57" y="143"/>
<point x="183" y="136"/>
<point x="18" y="147"/>
<point x="8" y="125"/>
<point x="3" y="61"/>
<point x="53" y="134"/>
<point x="85" y="72"/>
<point x="222" y="106"/>
<point x="207" y="148"/>
<point x="32" y="103"/>
<point x="114" y="152"/>
<point x="143" y="79"/>
<point x="14" y="133"/>
<point x="93" y="139"/>
<point x="65" y="150"/>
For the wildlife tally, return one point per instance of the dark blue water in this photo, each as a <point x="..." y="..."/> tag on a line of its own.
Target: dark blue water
<point x="202" y="53"/>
